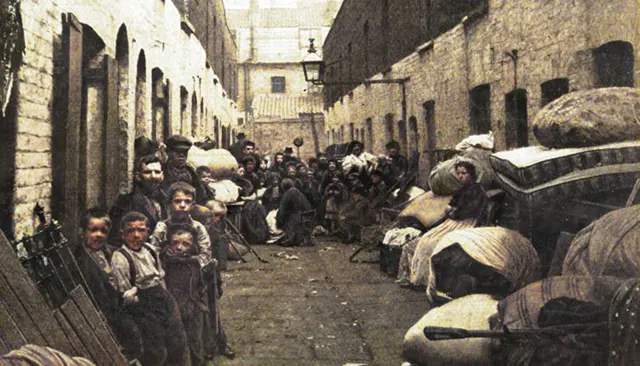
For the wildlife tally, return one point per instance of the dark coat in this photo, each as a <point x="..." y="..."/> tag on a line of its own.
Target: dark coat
<point x="396" y="169"/>
<point x="292" y="205"/>
<point x="188" y="175"/>
<point x="151" y="206"/>
<point x="468" y="201"/>
<point x="378" y="195"/>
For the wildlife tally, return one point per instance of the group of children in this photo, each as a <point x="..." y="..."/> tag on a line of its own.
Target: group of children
<point x="158" y="287"/>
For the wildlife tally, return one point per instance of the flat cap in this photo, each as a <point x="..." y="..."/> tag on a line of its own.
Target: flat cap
<point x="178" y="143"/>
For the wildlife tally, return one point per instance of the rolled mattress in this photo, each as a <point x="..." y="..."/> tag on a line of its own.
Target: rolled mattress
<point x="534" y="165"/>
<point x="577" y="183"/>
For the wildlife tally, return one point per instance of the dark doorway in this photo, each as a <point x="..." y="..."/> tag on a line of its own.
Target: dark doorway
<point x="429" y="113"/>
<point x="480" y="109"/>
<point x="369" y="136"/>
<point x="516" y="130"/>
<point x="553" y="89"/>
<point x="402" y="136"/>
<point x="388" y="127"/>
<point x="614" y="64"/>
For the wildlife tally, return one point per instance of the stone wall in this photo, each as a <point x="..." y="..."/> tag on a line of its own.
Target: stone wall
<point x="150" y="37"/>
<point x="210" y="24"/>
<point x="552" y="39"/>
<point x="274" y="136"/>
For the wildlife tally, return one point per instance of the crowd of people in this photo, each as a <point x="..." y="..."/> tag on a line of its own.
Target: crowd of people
<point x="345" y="193"/>
<point x="151" y="259"/>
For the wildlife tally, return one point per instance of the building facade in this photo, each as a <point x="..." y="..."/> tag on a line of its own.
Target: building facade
<point x="93" y="77"/>
<point x="208" y="21"/>
<point x="492" y="71"/>
<point x="272" y="38"/>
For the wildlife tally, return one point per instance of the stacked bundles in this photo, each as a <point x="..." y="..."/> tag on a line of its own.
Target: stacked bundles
<point x="590" y="142"/>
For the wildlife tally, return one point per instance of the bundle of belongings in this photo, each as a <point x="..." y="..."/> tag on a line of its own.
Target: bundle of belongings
<point x="475" y="149"/>
<point x="589" y="142"/>
<point x="587" y="316"/>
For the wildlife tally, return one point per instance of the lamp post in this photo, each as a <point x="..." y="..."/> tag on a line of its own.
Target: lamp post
<point x="313" y="67"/>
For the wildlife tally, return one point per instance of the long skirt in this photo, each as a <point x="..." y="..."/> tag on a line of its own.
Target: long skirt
<point x="420" y="266"/>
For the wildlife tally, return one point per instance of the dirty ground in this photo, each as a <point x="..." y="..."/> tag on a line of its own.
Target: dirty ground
<point x="310" y="306"/>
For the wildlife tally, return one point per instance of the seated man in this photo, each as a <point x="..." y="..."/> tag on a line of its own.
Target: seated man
<point x="356" y="214"/>
<point x="139" y="278"/>
<point x="378" y="191"/>
<point x="93" y="258"/>
<point x="288" y="219"/>
<point x="189" y="285"/>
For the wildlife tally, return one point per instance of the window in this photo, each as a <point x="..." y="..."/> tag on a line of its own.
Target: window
<point x="614" y="64"/>
<point x="516" y="129"/>
<point x="277" y="84"/>
<point x="480" y="109"/>
<point x="553" y="89"/>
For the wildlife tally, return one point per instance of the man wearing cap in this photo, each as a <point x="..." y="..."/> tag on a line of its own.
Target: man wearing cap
<point x="288" y="155"/>
<point x="238" y="146"/>
<point x="396" y="166"/>
<point x="178" y="170"/>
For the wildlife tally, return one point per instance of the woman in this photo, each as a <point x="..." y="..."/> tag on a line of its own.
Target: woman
<point x="464" y="208"/>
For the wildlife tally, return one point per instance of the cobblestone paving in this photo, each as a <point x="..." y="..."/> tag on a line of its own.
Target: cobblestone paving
<point x="318" y="309"/>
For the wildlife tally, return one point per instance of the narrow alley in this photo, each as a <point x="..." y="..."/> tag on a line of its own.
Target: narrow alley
<point x="315" y="308"/>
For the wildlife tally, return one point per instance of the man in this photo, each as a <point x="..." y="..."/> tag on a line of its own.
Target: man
<point x="249" y="164"/>
<point x="396" y="166"/>
<point x="288" y="155"/>
<point x="236" y="148"/>
<point x="288" y="219"/>
<point x="182" y="197"/>
<point x="178" y="170"/>
<point x="358" y="160"/>
<point x="146" y="197"/>
<point x="94" y="261"/>
<point x="139" y="278"/>
<point x="355" y="215"/>
<point x="378" y="191"/>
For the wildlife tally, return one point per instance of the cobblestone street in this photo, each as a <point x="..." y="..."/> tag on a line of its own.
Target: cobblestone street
<point x="319" y="309"/>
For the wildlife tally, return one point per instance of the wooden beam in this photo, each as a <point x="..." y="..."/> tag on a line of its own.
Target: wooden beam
<point x="97" y="324"/>
<point x="80" y="349"/>
<point x="34" y="304"/>
<point x="83" y="329"/>
<point x="10" y="331"/>
<point x="19" y="314"/>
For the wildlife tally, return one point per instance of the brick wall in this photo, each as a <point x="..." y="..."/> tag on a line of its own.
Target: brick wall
<point x="369" y="36"/>
<point x="274" y="136"/>
<point x="152" y="27"/>
<point x="553" y="39"/>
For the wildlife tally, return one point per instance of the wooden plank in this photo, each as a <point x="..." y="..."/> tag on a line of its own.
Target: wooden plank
<point x="112" y="129"/>
<point x="9" y="330"/>
<point x="34" y="304"/>
<point x="97" y="324"/>
<point x="80" y="326"/>
<point x="3" y="347"/>
<point x="19" y="314"/>
<point x="80" y="349"/>
<point x="73" y="99"/>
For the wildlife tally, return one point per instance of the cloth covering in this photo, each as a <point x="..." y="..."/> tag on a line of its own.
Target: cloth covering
<point x="506" y="251"/>
<point x="400" y="236"/>
<point x="469" y="312"/>
<point x="624" y="324"/>
<point x="443" y="179"/>
<point x="607" y="247"/>
<point x="32" y="354"/>
<point x="420" y="261"/>
<point x="481" y="141"/>
<point x="522" y="308"/>
<point x="220" y="162"/>
<point x="428" y="208"/>
<point x="226" y="191"/>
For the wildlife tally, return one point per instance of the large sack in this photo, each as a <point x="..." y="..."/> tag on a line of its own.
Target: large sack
<point x="469" y="312"/>
<point x="589" y="117"/>
<point x="609" y="246"/>
<point x="444" y="181"/>
<point x="506" y="251"/>
<point x="477" y="141"/>
<point x="522" y="309"/>
<point x="226" y="191"/>
<point x="427" y="208"/>
<point x="219" y="161"/>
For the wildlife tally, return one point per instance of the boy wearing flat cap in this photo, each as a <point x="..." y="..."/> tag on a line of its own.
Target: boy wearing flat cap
<point x="178" y="170"/>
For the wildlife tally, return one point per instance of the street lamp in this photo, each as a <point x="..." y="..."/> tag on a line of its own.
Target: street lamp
<point x="312" y="65"/>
